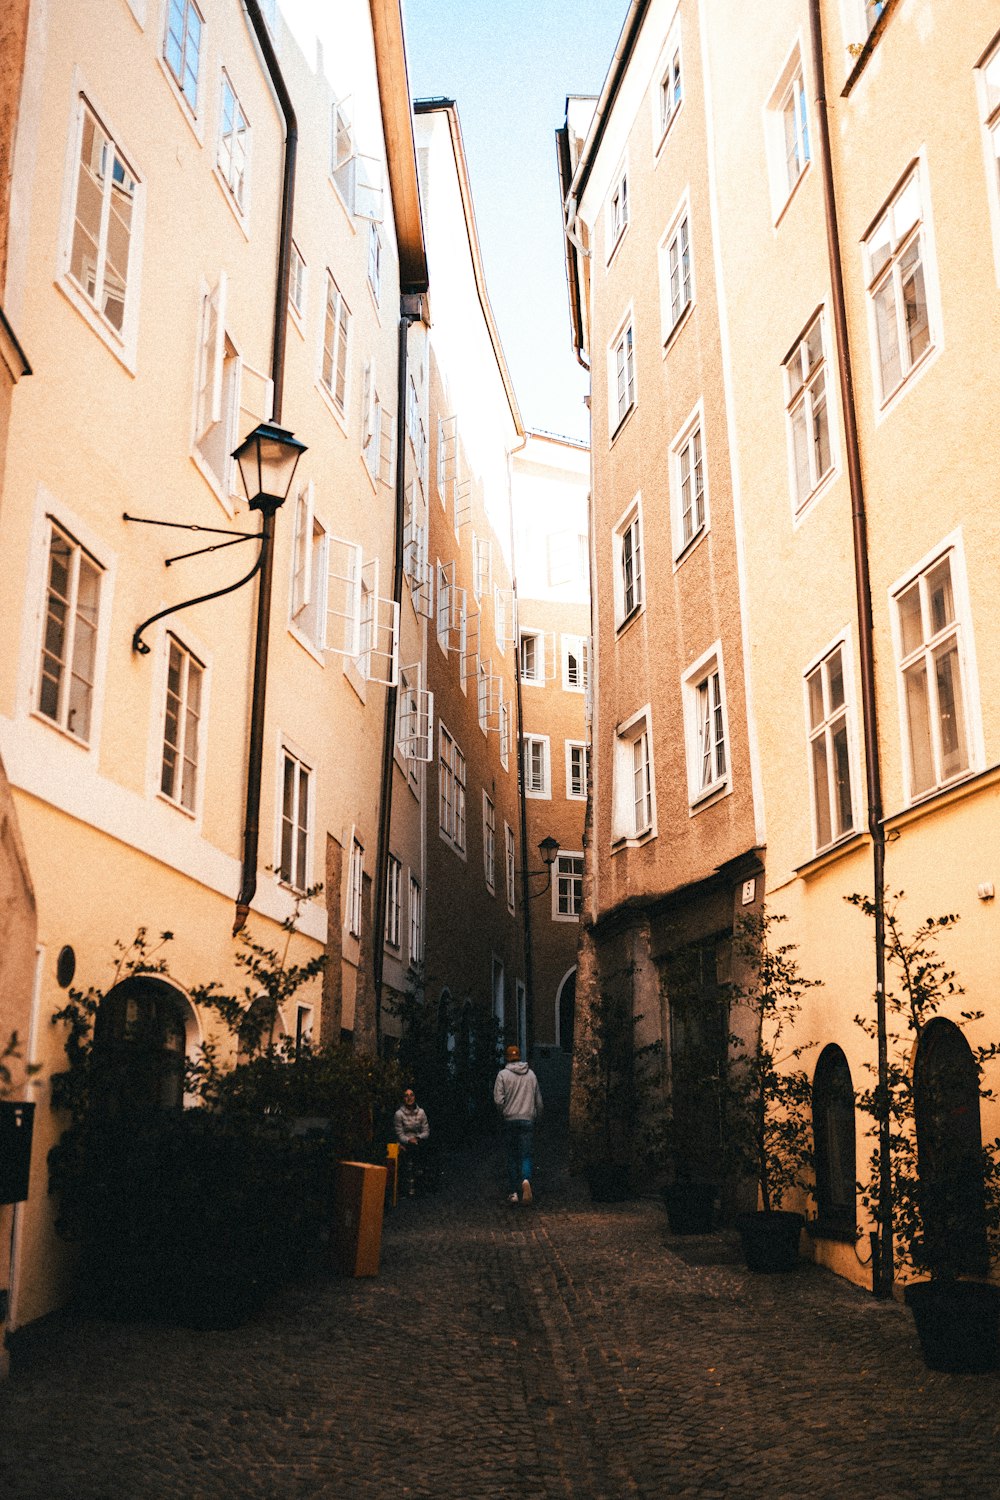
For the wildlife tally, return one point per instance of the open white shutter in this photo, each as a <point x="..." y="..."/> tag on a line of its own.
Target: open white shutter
<point x="343" y="597"/>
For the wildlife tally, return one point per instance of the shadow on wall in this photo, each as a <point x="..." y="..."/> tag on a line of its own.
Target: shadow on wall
<point x="552" y="1068"/>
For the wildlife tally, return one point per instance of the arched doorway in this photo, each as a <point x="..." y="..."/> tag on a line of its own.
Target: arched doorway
<point x="949" y="1150"/>
<point x="566" y="1011"/>
<point x="143" y="1031"/>
<point x="834" y="1138"/>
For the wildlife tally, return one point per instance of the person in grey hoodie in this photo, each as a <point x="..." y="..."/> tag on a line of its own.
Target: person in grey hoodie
<point x="519" y="1100"/>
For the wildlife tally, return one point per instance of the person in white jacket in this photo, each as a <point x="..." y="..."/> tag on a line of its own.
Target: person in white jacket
<point x="519" y="1100"/>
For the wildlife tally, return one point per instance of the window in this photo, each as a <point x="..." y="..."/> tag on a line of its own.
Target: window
<point x="218" y="391"/>
<point x="489" y="843"/>
<point x="808" y="413"/>
<point x="786" y="125"/>
<point x="621" y="377"/>
<point x="576" y="663"/>
<point x="895" y="255"/>
<point x="309" y="571"/>
<point x="341" y="138"/>
<point x="532" y="651"/>
<point x="508" y="846"/>
<point x="296" y="815"/>
<point x="393" y="897"/>
<point x="670" y="91"/>
<point x="676" y="282"/>
<point x="618" y="210"/>
<point x="103" y="221"/>
<point x="69" y="641"/>
<point x="690" y="507"/>
<point x="627" y="542"/>
<point x="182" y="45"/>
<point x="377" y="431"/>
<point x="504" y="734"/>
<point x="355" y="887"/>
<point x="536" y="766"/>
<point x="482" y="565"/>
<point x="416" y="922"/>
<point x="932" y="672"/>
<point x="233" y="138"/>
<point x="182" y="723"/>
<point x="567" y="892"/>
<point x="451" y="791"/>
<point x="988" y="80"/>
<point x="297" y="282"/>
<point x="577" y="765"/>
<point x="829" y="749"/>
<point x="375" y="260"/>
<point x="707" y="735"/>
<point x="633" y="810"/>
<point x="303" y="1028"/>
<point x="336" y="330"/>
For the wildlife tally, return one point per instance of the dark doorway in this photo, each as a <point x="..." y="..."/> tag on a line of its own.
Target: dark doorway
<point x="567" y="1012"/>
<point x="834" y="1137"/>
<point x="949" y="1151"/>
<point x="140" y="1039"/>
<point x="699" y="1032"/>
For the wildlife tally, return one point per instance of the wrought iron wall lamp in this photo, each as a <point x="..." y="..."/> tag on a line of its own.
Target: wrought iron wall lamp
<point x="267" y="460"/>
<point x="548" y="848"/>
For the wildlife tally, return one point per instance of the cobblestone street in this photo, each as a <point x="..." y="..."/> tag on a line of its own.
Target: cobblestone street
<point x="562" y="1350"/>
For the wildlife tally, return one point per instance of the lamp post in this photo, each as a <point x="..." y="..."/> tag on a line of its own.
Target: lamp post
<point x="548" y="848"/>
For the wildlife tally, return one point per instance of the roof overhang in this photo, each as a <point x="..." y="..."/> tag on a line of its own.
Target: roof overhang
<point x="400" y="150"/>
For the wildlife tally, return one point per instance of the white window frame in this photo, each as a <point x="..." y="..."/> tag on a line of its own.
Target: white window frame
<point x="572" y="778"/>
<point x="123" y="341"/>
<point x="64" y="711"/>
<point x="820" y="737"/>
<point x="504" y="733"/>
<point x="961" y="630"/>
<point x="567" y="886"/>
<point x="416" y="914"/>
<point x="801" y="402"/>
<point x="452" y="787"/>
<point x="633" y="818"/>
<point x="789" y="153"/>
<point x="919" y="234"/>
<point x="393" y="902"/>
<point x="575" y="647"/>
<point x="510" y="869"/>
<point x="988" y="91"/>
<point x="688" y="462"/>
<point x="335" y="349"/>
<point x="354" y="912"/>
<point x="217" y="394"/>
<point x="298" y="285"/>
<point x="490" y="843"/>
<point x="668" y="93"/>
<point x="537" y="767"/>
<point x="179" y="79"/>
<point x="307" y="594"/>
<point x="233" y="161"/>
<point x="627" y="548"/>
<point x="699" y="698"/>
<point x="185" y="754"/>
<point x="676" y="261"/>
<point x="296" y="876"/>
<point x="375" y="261"/>
<point x="535" y="639"/>
<point x="621" y="353"/>
<point x="617" y="211"/>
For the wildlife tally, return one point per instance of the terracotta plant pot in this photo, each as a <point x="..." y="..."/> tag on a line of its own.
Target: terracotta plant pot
<point x="690" y="1207"/>
<point x="770" y="1241"/>
<point x="958" y="1324"/>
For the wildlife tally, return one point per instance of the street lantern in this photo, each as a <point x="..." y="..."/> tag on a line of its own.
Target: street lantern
<point x="267" y="459"/>
<point x="548" y="849"/>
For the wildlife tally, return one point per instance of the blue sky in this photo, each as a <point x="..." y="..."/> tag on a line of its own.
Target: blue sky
<point x="509" y="64"/>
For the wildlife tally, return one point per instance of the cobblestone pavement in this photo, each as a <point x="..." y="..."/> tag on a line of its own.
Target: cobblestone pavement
<point x="563" y="1350"/>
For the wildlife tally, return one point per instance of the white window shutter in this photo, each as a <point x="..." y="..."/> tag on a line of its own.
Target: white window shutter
<point x="469" y="663"/>
<point x="343" y="599"/>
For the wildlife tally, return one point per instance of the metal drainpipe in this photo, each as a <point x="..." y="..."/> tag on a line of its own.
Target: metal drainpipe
<point x="529" y="957"/>
<point x="409" y="313"/>
<point x="255" y="757"/>
<point x="882" y="1264"/>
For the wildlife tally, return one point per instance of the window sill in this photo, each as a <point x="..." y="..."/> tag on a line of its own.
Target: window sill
<point x="239" y="214"/>
<point x="801" y="509"/>
<point x="665" y="133"/>
<point x="790" y="195"/>
<point x="691" y="545"/>
<point x="212" y="480"/>
<point x="307" y="644"/>
<point x="709" y="796"/>
<point x="614" y="248"/>
<point x="674" y="330"/>
<point x="632" y="840"/>
<point x="913" y="374"/>
<point x="194" y="121"/>
<point x="872" y="41"/>
<point x="188" y="812"/>
<point x="121" y="346"/>
<point x="343" y="203"/>
<point x="629" y="620"/>
<point x="850" y="842"/>
<point x="89" y="747"/>
<point x="340" y="417"/>
<point x="942" y="796"/>
<point x="446" y="839"/>
<point x="616" y="431"/>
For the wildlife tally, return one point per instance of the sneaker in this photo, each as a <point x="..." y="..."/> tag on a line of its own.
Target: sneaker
<point x="526" y="1191"/>
<point x="512" y="1198"/>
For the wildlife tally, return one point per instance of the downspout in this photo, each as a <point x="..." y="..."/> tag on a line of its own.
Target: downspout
<point x="255" y="757"/>
<point x="522" y="805"/>
<point x="409" y="312"/>
<point x="882" y="1263"/>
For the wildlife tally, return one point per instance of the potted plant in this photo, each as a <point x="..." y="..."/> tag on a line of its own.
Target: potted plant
<point x="690" y="1143"/>
<point x="945" y="1180"/>
<point x="612" y="1085"/>
<point x="766" y="1096"/>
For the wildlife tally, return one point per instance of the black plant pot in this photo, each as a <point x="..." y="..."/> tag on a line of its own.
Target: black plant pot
<point x="958" y="1324"/>
<point x="770" y="1241"/>
<point x="608" y="1182"/>
<point x="690" y="1207"/>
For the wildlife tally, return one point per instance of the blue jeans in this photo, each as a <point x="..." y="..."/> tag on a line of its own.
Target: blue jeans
<point x="518" y="1138"/>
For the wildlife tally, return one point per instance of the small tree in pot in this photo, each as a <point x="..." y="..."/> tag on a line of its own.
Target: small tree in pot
<point x="613" y="1085"/>
<point x="945" y="1179"/>
<point x="767" y="1097"/>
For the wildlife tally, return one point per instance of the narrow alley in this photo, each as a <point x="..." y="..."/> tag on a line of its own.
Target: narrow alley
<point x="568" y="1349"/>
